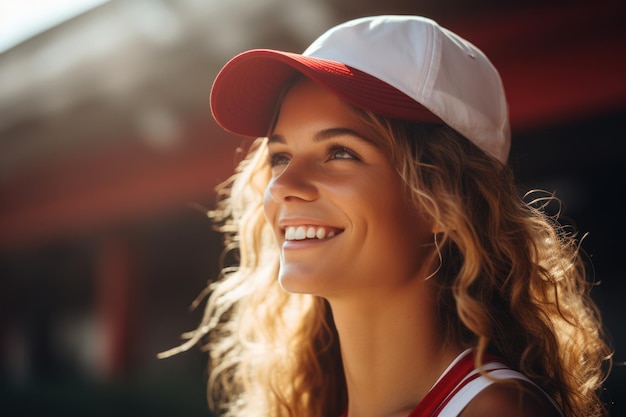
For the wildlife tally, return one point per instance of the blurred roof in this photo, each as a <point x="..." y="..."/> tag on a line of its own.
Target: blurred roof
<point x="21" y="20"/>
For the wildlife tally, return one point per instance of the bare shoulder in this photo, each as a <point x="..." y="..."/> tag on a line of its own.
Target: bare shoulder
<point x="511" y="399"/>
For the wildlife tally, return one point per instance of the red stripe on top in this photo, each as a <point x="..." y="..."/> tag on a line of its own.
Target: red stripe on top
<point x="443" y="387"/>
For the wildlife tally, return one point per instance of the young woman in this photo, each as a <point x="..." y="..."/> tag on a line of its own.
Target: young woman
<point x="387" y="265"/>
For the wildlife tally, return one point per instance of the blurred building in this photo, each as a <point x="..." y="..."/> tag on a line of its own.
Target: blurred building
<point x="109" y="158"/>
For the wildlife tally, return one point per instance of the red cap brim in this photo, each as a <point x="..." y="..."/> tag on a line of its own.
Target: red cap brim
<point x="246" y="92"/>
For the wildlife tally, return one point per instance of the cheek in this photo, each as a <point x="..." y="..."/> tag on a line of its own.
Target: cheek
<point x="400" y="227"/>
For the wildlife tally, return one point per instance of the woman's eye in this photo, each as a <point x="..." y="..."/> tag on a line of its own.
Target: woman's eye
<point x="277" y="159"/>
<point x="341" y="152"/>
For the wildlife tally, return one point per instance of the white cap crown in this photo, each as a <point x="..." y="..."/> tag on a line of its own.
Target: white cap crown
<point x="438" y="69"/>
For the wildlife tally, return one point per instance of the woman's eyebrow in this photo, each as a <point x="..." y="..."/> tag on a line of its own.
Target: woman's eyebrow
<point x="323" y="135"/>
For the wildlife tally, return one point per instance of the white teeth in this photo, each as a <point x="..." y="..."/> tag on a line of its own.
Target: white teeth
<point x="307" y="232"/>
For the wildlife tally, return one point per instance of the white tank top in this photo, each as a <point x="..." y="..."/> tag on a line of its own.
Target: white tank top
<point x="464" y="388"/>
<point x="460" y="383"/>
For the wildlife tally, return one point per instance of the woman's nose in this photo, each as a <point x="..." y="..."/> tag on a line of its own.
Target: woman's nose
<point x="294" y="183"/>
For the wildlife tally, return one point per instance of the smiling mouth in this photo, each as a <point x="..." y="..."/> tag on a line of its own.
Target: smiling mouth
<point x="310" y="232"/>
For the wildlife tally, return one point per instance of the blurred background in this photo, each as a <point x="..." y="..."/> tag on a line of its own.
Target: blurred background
<point x="109" y="158"/>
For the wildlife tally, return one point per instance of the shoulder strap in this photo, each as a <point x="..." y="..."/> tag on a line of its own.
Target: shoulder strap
<point x="449" y="384"/>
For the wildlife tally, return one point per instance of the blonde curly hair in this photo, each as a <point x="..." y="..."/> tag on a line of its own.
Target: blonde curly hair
<point x="512" y="281"/>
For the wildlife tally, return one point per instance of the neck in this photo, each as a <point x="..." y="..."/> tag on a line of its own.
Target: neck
<point x="392" y="350"/>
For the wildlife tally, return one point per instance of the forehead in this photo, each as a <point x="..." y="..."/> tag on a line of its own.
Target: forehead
<point x="308" y="107"/>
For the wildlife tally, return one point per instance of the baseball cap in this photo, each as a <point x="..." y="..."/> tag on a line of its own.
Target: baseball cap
<point x="404" y="67"/>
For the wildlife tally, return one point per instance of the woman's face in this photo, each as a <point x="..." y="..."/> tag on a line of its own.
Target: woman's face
<point x="336" y="203"/>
